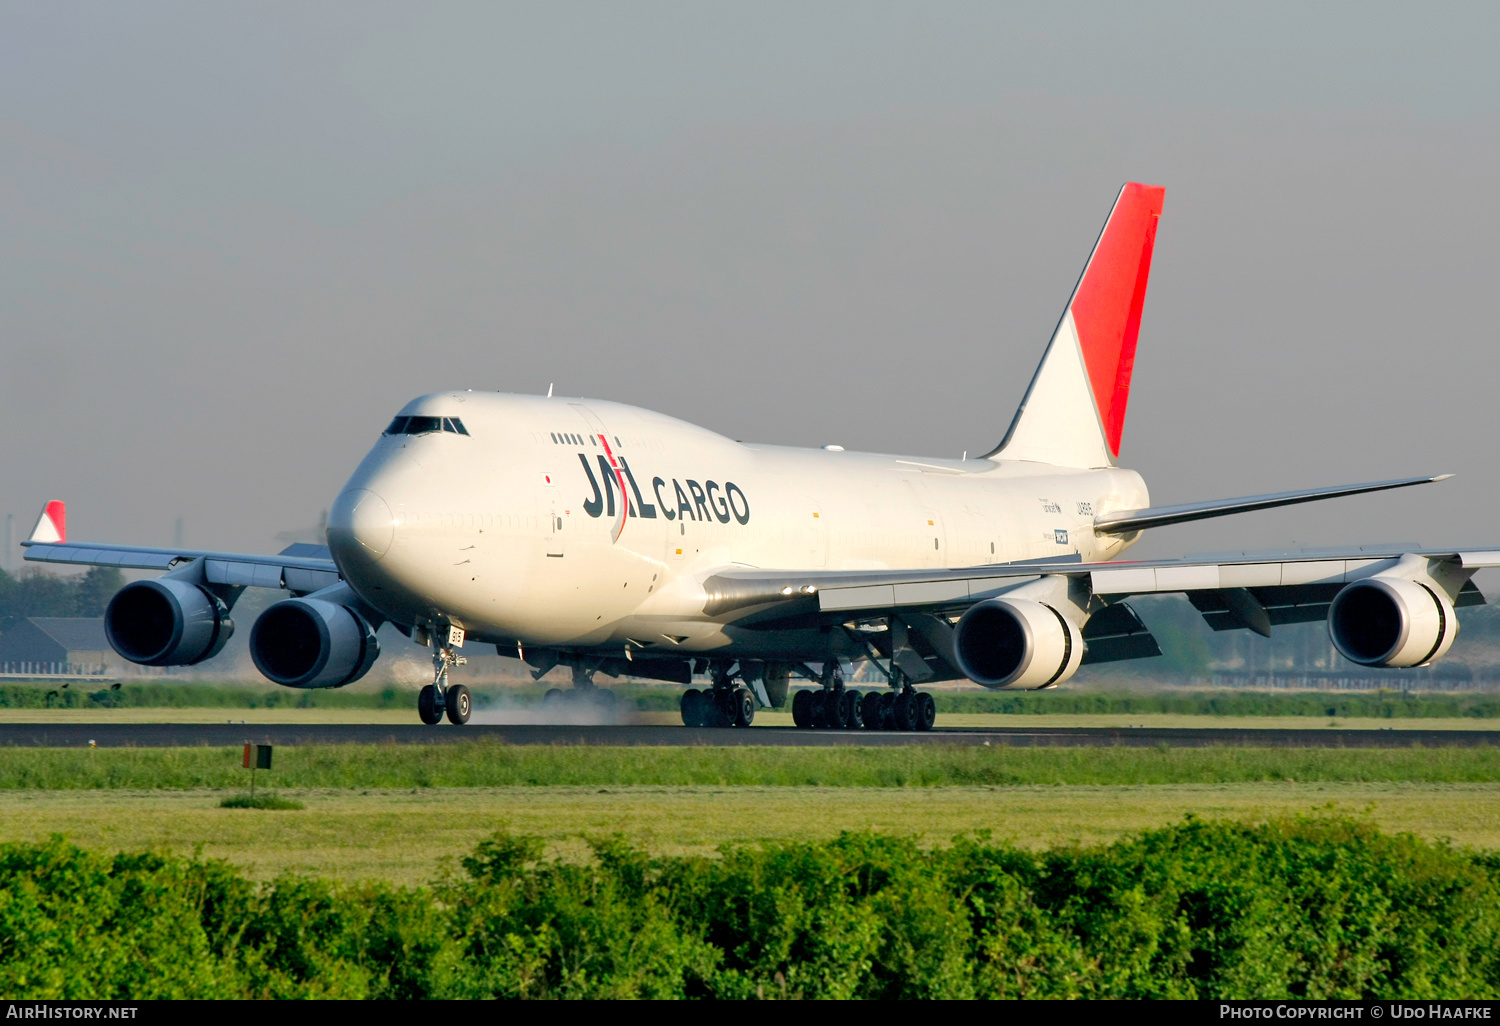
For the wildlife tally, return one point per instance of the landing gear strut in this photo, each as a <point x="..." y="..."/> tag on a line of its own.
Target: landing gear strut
<point x="439" y="697"/>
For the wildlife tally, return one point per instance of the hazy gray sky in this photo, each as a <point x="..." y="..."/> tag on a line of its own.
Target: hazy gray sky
<point x="238" y="237"/>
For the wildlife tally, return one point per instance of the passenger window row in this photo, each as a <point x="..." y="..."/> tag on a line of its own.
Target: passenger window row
<point x="570" y="438"/>
<point x="567" y="438"/>
<point x="426" y="425"/>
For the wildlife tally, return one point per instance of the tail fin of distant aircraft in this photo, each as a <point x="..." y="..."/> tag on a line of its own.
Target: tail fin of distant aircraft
<point x="1074" y="410"/>
<point x="52" y="525"/>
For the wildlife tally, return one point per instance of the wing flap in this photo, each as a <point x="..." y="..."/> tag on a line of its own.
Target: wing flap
<point x="1191" y="577"/>
<point x="1116" y="633"/>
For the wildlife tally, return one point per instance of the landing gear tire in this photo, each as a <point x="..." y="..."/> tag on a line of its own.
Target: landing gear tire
<point x="926" y="710"/>
<point x="853" y="709"/>
<point x="802" y="709"/>
<point x="724" y="710"/>
<point x="815" y="704"/>
<point x="904" y="714"/>
<point x="692" y="708"/>
<point x="833" y="709"/>
<point x="710" y="710"/>
<point x="603" y="698"/>
<point x="887" y="711"/>
<point x="553" y="697"/>
<point x="744" y="707"/>
<point x="428" y="706"/>
<point x="869" y="711"/>
<point x="459" y="705"/>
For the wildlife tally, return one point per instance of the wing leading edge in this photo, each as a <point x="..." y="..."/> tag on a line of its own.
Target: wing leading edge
<point x="1126" y="521"/>
<point x="300" y="569"/>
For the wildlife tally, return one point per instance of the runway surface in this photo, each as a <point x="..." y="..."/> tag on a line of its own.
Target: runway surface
<point x="188" y="735"/>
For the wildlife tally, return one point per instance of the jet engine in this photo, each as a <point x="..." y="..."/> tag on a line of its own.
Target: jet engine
<point x="1016" y="643"/>
<point x="167" y="622"/>
<point x="312" y="643"/>
<point x="1391" y="621"/>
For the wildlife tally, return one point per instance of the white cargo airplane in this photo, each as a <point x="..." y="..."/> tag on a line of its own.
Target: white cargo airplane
<point x="612" y="539"/>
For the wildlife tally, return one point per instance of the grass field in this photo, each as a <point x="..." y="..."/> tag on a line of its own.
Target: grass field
<point x="484" y="764"/>
<point x="407" y="836"/>
<point x="397" y="812"/>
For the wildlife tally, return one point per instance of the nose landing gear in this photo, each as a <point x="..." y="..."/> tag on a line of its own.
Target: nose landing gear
<point x="439" y="697"/>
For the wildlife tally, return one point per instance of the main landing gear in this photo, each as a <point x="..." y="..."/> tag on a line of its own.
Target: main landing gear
<point x="440" y="697"/>
<point x="584" y="692"/>
<point x="722" y="705"/>
<point x="603" y="698"/>
<point x="838" y="708"/>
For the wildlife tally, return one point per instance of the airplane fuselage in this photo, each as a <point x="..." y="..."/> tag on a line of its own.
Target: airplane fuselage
<point x="585" y="524"/>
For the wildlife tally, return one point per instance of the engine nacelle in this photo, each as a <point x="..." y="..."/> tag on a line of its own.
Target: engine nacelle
<point x="167" y="622"/>
<point x="311" y="643"/>
<point x="1016" y="643"/>
<point x="1391" y="621"/>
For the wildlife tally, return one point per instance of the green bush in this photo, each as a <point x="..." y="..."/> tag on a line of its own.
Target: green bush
<point x="1320" y="908"/>
<point x="260" y="801"/>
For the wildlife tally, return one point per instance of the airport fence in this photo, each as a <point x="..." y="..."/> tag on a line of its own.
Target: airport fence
<point x="29" y="668"/>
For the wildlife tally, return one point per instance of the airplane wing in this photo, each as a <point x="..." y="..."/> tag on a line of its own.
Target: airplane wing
<point x="853" y="593"/>
<point x="908" y="617"/>
<point x="300" y="568"/>
<point x="1126" y="521"/>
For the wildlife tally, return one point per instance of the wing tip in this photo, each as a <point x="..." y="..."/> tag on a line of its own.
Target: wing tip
<point x="52" y="526"/>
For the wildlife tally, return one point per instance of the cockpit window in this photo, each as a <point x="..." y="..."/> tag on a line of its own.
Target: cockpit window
<point x="426" y="425"/>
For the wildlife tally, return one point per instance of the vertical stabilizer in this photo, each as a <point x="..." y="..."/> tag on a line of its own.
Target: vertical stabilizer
<point x="1074" y="410"/>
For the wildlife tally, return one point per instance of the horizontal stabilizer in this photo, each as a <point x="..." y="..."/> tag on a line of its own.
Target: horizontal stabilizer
<point x="1126" y="521"/>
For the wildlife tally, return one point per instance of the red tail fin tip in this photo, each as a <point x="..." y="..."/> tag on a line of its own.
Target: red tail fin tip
<point x="1107" y="305"/>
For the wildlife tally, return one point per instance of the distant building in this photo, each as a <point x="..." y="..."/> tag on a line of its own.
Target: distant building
<point x="55" y="644"/>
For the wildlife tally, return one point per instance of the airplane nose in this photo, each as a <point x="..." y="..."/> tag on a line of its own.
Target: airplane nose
<point x="360" y="516"/>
